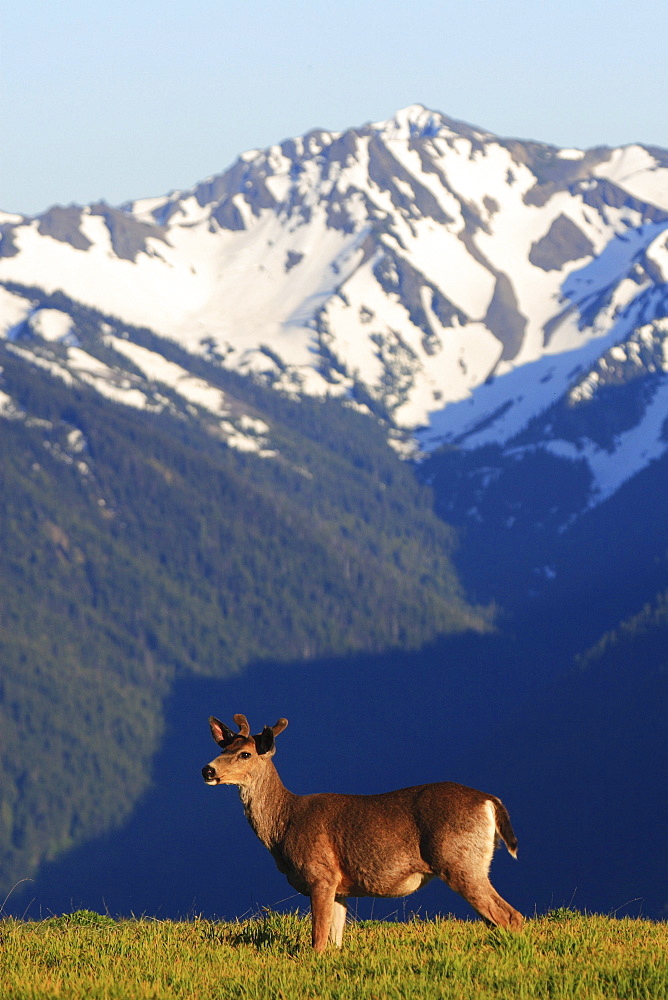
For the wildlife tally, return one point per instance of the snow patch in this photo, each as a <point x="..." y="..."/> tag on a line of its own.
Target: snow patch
<point x="634" y="169"/>
<point x="14" y="309"/>
<point x="52" y="325"/>
<point x="156" y="368"/>
<point x="570" y="154"/>
<point x="7" y="405"/>
<point x="631" y="452"/>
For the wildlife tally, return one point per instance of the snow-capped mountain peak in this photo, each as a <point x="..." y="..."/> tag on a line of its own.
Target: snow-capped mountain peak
<point x="456" y="282"/>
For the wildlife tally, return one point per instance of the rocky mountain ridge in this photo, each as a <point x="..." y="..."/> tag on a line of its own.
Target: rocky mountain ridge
<point x="454" y="281"/>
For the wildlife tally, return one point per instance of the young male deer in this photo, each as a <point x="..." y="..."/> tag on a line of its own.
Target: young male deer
<point x="333" y="846"/>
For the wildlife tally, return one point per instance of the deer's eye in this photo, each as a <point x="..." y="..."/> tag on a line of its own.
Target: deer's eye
<point x="244" y="756"/>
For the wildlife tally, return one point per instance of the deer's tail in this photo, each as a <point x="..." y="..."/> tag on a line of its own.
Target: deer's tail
<point x="504" y="829"/>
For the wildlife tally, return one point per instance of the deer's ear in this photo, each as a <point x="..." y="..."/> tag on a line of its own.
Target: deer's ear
<point x="221" y="733"/>
<point x="264" y="741"/>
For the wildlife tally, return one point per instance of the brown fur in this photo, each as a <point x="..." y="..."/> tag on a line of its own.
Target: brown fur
<point x="333" y="846"/>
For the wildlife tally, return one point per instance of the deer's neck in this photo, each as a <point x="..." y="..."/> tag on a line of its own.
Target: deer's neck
<point x="267" y="804"/>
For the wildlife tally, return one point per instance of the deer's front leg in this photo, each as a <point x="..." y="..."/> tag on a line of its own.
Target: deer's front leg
<point x="322" y="908"/>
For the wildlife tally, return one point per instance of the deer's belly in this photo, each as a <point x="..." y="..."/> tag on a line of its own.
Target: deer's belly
<point x="386" y="887"/>
<point x="381" y="880"/>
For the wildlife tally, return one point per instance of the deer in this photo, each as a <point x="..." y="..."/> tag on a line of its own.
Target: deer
<point x="334" y="846"/>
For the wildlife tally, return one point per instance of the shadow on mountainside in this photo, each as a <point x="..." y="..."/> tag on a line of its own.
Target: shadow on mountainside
<point x="580" y="774"/>
<point x="360" y="724"/>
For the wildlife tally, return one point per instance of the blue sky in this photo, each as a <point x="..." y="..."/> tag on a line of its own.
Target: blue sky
<point x="119" y="100"/>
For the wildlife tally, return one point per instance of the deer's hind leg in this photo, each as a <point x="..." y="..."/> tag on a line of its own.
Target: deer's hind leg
<point x="485" y="900"/>
<point x="463" y="861"/>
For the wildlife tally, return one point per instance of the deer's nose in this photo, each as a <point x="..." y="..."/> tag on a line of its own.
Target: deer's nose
<point x="208" y="773"/>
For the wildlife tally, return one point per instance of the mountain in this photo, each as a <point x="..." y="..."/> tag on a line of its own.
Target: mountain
<point x="419" y="262"/>
<point x="369" y="431"/>
<point x="500" y="305"/>
<point x="456" y="283"/>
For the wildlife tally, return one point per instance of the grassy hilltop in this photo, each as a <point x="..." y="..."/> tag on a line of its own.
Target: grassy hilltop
<point x="560" y="955"/>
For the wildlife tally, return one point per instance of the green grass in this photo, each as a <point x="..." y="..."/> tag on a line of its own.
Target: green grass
<point x="563" y="954"/>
